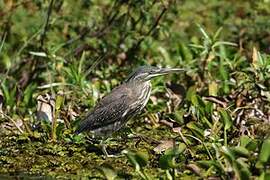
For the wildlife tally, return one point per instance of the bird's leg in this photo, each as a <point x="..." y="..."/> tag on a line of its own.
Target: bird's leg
<point x="91" y="140"/>
<point x="103" y="146"/>
<point x="131" y="134"/>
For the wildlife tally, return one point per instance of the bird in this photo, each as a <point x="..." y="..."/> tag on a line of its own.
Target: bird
<point x="124" y="102"/>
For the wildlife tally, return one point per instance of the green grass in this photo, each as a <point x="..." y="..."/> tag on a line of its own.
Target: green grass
<point x="211" y="121"/>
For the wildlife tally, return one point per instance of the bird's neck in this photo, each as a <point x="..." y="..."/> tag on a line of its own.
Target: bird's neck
<point x="145" y="94"/>
<point x="147" y="84"/>
<point x="140" y="84"/>
<point x="143" y="89"/>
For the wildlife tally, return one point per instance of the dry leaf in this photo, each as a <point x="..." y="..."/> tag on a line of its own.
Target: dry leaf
<point x="177" y="130"/>
<point x="167" y="123"/>
<point x="176" y="94"/>
<point x="194" y="168"/>
<point x="164" y="145"/>
<point x="45" y="107"/>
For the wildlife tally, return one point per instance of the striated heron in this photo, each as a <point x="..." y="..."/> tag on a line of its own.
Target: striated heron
<point x="122" y="103"/>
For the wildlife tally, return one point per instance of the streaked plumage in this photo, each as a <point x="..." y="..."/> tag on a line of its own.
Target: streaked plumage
<point x="122" y="103"/>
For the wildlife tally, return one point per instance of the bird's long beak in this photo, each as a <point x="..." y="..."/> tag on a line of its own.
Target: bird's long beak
<point x="163" y="71"/>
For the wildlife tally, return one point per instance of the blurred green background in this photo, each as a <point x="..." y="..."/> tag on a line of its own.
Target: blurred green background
<point x="77" y="51"/>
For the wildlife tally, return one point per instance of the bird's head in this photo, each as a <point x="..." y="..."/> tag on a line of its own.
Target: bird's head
<point x="146" y="73"/>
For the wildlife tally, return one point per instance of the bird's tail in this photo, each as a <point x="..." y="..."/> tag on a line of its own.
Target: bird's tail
<point x="78" y="131"/>
<point x="82" y="127"/>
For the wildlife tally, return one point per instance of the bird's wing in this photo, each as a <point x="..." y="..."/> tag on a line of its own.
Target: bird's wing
<point x="110" y="109"/>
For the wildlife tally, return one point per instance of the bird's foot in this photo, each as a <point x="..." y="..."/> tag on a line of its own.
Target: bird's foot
<point x="113" y="156"/>
<point x="106" y="154"/>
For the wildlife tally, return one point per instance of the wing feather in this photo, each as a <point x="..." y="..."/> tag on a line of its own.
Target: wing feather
<point x="108" y="111"/>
